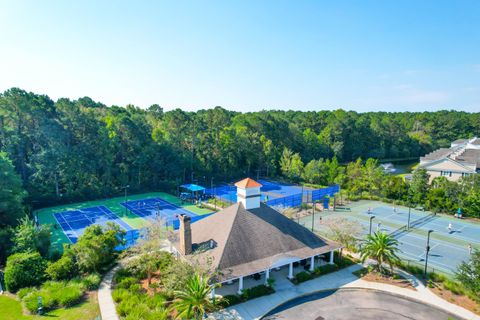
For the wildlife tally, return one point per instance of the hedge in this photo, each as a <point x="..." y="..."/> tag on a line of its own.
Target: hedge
<point x="24" y="270"/>
<point x="247" y="294"/>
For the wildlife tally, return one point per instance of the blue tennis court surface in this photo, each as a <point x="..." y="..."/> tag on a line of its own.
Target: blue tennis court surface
<point x="74" y="222"/>
<point x="156" y="208"/>
<point x="269" y="190"/>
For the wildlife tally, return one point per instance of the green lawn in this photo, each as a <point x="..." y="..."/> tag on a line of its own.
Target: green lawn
<point x="45" y="215"/>
<point x="11" y="309"/>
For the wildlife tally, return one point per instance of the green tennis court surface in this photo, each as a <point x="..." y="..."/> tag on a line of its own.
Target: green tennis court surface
<point x="46" y="215"/>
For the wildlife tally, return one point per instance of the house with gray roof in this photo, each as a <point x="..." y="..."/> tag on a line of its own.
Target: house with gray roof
<point x="460" y="160"/>
<point x="249" y="238"/>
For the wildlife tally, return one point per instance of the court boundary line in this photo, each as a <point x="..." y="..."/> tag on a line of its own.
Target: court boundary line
<point x="61" y="214"/>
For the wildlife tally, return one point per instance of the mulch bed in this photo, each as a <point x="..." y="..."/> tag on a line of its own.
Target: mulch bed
<point x="377" y="277"/>
<point x="459" y="300"/>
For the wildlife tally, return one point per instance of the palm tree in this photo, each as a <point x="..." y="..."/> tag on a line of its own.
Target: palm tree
<point x="194" y="300"/>
<point x="381" y="247"/>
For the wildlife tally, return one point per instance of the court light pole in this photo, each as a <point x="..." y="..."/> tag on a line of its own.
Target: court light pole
<point x="409" y="209"/>
<point x="125" y="188"/>
<point x="313" y="215"/>
<point x="426" y="255"/>
<point x="370" y="231"/>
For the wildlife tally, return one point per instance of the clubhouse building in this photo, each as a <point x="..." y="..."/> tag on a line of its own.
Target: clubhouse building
<point x="250" y="240"/>
<point x="460" y="160"/>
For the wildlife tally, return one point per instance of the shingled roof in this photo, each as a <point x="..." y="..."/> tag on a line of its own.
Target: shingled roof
<point x="242" y="242"/>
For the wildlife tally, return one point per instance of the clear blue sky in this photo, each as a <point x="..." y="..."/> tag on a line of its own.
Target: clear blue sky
<point x="247" y="55"/>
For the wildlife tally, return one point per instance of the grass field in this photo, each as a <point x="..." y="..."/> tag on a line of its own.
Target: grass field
<point x="45" y="215"/>
<point x="11" y="309"/>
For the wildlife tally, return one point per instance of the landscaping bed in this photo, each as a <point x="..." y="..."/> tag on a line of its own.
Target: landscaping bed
<point x="461" y="300"/>
<point x="87" y="309"/>
<point x="395" y="279"/>
<point x="247" y="294"/>
<point x="340" y="262"/>
<point x="448" y="289"/>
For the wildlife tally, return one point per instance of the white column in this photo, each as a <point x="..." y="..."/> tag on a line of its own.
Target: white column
<point x="267" y="275"/>
<point x="312" y="263"/>
<point x="240" y="285"/>
<point x="212" y="294"/>
<point x="331" y="257"/>
<point x="290" y="270"/>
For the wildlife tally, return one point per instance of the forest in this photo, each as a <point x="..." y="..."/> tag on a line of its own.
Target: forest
<point x="61" y="151"/>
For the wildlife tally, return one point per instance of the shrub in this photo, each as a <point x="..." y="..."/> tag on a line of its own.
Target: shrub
<point x="53" y="285"/>
<point x="126" y="306"/>
<point x="24" y="270"/>
<point x="92" y="281"/>
<point x="139" y="311"/>
<point x="453" y="286"/>
<point x="121" y="274"/>
<point x="6" y="244"/>
<point x="361" y="272"/>
<point x="343" y="261"/>
<point x="54" y="255"/>
<point x="230" y="300"/>
<point x="69" y="295"/>
<point x="127" y="283"/>
<point x="302" y="277"/>
<point x="258" y="291"/>
<point x="156" y="301"/>
<point x="119" y="295"/>
<point x="324" y="269"/>
<point x="30" y="301"/>
<point x="24" y="292"/>
<point x="64" y="268"/>
<point x="53" y="293"/>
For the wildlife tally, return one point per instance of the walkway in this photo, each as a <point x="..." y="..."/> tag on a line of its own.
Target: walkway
<point x="255" y="309"/>
<point x="105" y="301"/>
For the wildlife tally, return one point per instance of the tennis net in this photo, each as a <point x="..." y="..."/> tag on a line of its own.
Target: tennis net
<point x="422" y="220"/>
<point x="399" y="231"/>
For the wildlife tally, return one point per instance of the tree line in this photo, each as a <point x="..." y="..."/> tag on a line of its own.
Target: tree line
<point x="71" y="150"/>
<point x="368" y="180"/>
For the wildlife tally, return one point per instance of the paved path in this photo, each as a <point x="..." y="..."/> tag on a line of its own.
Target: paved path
<point x="105" y="301"/>
<point x="255" y="309"/>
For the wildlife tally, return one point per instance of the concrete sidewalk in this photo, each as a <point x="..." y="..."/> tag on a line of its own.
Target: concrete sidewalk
<point x="107" y="306"/>
<point x="255" y="309"/>
<point x="105" y="301"/>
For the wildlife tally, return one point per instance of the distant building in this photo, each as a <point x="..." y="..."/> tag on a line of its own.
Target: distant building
<point x="249" y="238"/>
<point x="460" y="160"/>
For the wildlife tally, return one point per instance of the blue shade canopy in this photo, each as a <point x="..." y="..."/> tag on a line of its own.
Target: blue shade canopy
<point x="192" y="187"/>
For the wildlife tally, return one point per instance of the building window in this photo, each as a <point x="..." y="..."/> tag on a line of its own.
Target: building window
<point x="464" y="174"/>
<point x="446" y="173"/>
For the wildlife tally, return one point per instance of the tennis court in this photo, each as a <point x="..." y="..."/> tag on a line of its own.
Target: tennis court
<point x="444" y="256"/>
<point x="424" y="220"/>
<point x="269" y="190"/>
<point x="447" y="249"/>
<point x="156" y="208"/>
<point x="74" y="222"/>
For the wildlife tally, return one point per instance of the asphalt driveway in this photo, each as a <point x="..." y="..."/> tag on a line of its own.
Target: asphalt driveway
<point x="356" y="304"/>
